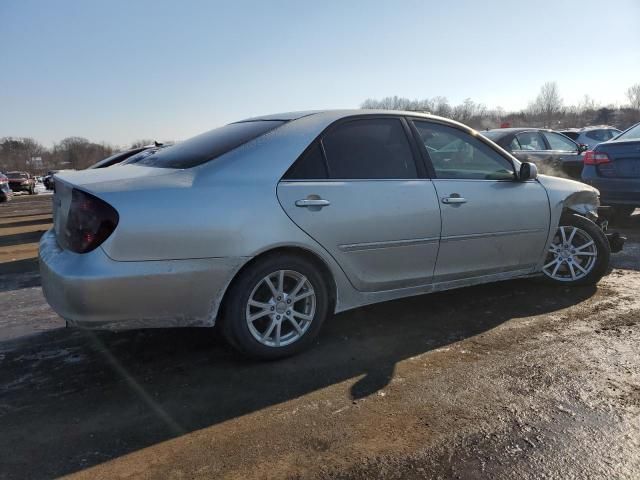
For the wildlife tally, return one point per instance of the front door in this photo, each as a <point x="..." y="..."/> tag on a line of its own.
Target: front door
<point x="491" y="222"/>
<point x="359" y="193"/>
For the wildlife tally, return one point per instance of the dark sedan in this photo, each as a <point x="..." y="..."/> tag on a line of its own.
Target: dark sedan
<point x="553" y="153"/>
<point x="613" y="167"/>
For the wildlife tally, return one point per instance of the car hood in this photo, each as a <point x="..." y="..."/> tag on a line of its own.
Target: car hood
<point x="564" y="184"/>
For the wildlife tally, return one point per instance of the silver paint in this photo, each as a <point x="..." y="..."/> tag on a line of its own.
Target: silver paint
<point x="184" y="235"/>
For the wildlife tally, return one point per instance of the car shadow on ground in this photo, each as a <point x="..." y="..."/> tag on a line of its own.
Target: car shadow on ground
<point x="71" y="399"/>
<point x="629" y="257"/>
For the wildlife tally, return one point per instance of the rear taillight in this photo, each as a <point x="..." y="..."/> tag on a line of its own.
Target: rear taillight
<point x="90" y="221"/>
<point x="595" y="158"/>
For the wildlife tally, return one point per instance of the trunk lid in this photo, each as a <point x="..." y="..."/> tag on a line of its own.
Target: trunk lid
<point x="104" y="183"/>
<point x="624" y="159"/>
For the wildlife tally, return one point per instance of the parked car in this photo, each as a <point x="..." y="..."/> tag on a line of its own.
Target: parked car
<point x="22" y="182"/>
<point x="48" y="179"/>
<point x="591" y="136"/>
<point x="5" y="190"/>
<point x="613" y="167"/>
<point x="121" y="157"/>
<point x="552" y="152"/>
<point x="276" y="222"/>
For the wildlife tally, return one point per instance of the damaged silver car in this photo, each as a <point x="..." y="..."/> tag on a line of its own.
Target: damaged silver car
<point x="269" y="225"/>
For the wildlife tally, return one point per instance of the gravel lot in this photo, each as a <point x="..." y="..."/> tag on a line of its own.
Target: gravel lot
<point x="509" y="380"/>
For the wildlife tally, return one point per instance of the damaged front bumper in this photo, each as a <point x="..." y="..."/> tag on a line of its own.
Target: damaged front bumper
<point x="616" y="241"/>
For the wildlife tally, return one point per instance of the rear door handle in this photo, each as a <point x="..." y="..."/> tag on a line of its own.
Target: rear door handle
<point x="313" y="202"/>
<point x="454" y="199"/>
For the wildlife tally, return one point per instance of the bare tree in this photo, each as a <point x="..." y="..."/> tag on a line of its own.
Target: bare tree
<point x="141" y="143"/>
<point x="547" y="104"/>
<point x="633" y="94"/>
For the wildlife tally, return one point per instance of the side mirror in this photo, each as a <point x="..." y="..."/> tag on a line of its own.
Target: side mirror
<point x="528" y="171"/>
<point x="582" y="148"/>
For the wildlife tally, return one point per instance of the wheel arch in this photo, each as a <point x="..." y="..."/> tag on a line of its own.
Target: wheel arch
<point x="296" y="250"/>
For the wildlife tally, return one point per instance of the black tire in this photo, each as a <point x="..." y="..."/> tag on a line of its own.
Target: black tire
<point x="602" y="248"/>
<point x="233" y="321"/>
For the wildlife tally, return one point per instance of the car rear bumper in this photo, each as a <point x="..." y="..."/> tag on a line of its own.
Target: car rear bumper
<point x="616" y="191"/>
<point x="91" y="290"/>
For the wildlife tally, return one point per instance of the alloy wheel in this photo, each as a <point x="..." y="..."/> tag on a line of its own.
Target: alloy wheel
<point x="572" y="255"/>
<point x="281" y="308"/>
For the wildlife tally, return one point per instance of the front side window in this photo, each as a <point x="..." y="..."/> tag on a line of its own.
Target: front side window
<point x="375" y="148"/>
<point x="209" y="145"/>
<point x="456" y="154"/>
<point x="559" y="142"/>
<point x="531" y="141"/>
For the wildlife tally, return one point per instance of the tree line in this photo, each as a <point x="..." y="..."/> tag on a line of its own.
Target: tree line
<point x="547" y="110"/>
<point x="26" y="154"/>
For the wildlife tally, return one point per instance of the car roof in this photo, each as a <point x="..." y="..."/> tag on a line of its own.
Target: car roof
<point x="514" y="130"/>
<point x="332" y="115"/>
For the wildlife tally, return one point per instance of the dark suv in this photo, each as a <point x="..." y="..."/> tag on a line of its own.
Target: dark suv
<point x="613" y="167"/>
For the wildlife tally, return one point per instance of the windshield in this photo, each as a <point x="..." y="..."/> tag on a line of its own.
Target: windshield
<point x="207" y="146"/>
<point x="632" y="134"/>
<point x="17" y="175"/>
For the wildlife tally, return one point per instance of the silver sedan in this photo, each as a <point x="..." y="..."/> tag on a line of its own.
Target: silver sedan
<point x="268" y="225"/>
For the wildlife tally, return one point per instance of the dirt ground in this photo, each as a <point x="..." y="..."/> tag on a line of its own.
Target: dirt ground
<point x="509" y="380"/>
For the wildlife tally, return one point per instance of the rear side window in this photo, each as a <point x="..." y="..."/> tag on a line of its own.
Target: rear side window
<point x="571" y="135"/>
<point x="311" y="166"/>
<point x="598" y="135"/>
<point x="369" y="149"/>
<point x="209" y="145"/>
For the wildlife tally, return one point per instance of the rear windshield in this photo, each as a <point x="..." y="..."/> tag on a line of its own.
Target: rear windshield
<point x="571" y="135"/>
<point x="17" y="175"/>
<point x="492" y="134"/>
<point x="632" y="134"/>
<point x="206" y="146"/>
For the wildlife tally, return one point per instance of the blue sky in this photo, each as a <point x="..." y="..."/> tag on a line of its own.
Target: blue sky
<point x="118" y="71"/>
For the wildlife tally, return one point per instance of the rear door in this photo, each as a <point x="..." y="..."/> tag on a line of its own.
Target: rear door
<point x="359" y="192"/>
<point x="491" y="222"/>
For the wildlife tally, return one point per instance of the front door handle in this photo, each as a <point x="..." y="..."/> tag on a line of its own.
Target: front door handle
<point x="454" y="199"/>
<point x="313" y="202"/>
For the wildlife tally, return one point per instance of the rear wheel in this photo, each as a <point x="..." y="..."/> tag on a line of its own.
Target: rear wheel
<point x="275" y="308"/>
<point x="579" y="253"/>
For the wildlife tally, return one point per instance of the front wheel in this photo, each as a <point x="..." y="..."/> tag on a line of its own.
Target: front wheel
<point x="579" y="253"/>
<point x="275" y="308"/>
